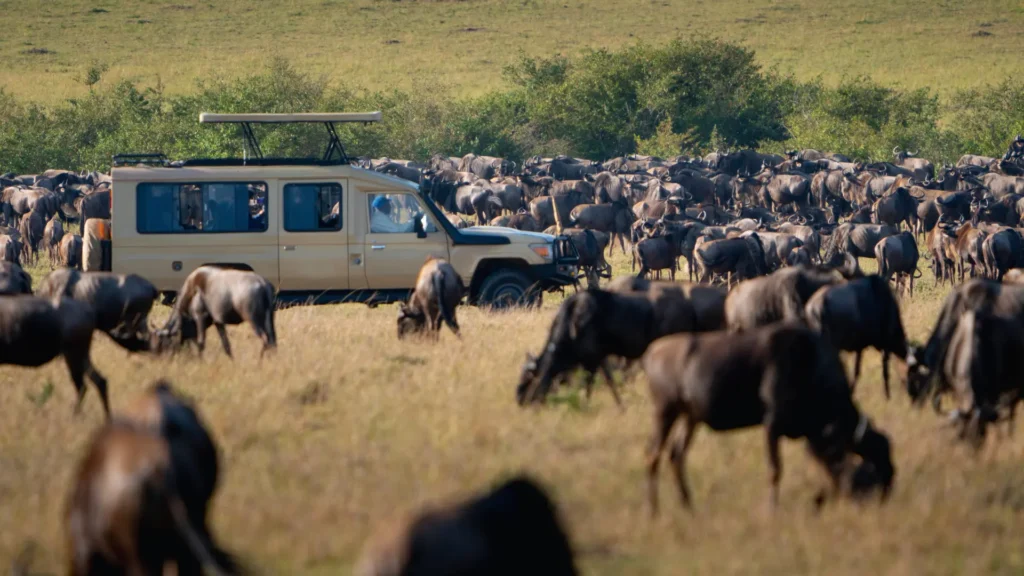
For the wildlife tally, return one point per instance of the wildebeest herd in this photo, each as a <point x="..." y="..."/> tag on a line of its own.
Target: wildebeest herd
<point x="773" y="243"/>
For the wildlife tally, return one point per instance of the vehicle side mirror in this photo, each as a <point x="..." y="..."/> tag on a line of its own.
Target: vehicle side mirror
<point x="418" y="226"/>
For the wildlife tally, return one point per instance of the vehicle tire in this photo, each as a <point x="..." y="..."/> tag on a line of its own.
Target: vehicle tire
<point x="507" y="288"/>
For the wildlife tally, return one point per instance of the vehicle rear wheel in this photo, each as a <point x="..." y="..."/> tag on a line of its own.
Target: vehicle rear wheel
<point x="508" y="288"/>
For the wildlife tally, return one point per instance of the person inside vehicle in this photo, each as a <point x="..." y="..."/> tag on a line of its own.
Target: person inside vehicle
<point x="381" y="222"/>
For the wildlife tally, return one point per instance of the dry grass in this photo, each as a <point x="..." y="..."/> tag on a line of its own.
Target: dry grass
<point x="347" y="427"/>
<point x="377" y="43"/>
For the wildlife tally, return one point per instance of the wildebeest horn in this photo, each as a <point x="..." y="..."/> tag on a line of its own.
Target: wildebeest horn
<point x="703" y="214"/>
<point x="793" y="218"/>
<point x="914" y="153"/>
<point x="895" y="150"/>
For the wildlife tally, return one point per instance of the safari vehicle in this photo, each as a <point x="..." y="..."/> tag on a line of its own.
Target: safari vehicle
<point x="320" y="229"/>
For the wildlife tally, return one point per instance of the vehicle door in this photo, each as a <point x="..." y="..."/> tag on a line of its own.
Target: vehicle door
<point x="313" y="239"/>
<point x="395" y="247"/>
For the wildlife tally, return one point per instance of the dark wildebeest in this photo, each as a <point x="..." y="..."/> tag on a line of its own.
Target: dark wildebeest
<point x="779" y="296"/>
<point x="121" y="302"/>
<point x="1001" y="185"/>
<point x="10" y="249"/>
<point x="859" y="314"/>
<point x="142" y="492"/>
<point x="708" y="301"/>
<point x="487" y="167"/>
<point x="511" y="530"/>
<point x="940" y="246"/>
<point x="740" y="257"/>
<point x="895" y="208"/>
<point x="590" y="246"/>
<point x="658" y="253"/>
<point x="777" y="246"/>
<point x="34" y="331"/>
<point x="784" y="189"/>
<point x="31" y="228"/>
<point x="71" y="251"/>
<point x="594" y="325"/>
<point x="613" y="218"/>
<point x="219" y="296"/>
<point x="14" y="280"/>
<point x="783" y="377"/>
<point x="898" y="255"/>
<point x="922" y="169"/>
<point x="857" y="240"/>
<point x="1002" y="250"/>
<point x="436" y="296"/>
<point x="53" y="233"/>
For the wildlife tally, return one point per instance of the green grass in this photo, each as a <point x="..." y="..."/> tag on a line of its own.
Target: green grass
<point x="345" y="428"/>
<point x="465" y="44"/>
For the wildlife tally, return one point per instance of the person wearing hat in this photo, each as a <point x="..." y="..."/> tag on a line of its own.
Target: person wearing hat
<point x="381" y="222"/>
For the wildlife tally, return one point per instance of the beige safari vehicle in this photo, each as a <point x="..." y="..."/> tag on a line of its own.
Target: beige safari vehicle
<point x="321" y="230"/>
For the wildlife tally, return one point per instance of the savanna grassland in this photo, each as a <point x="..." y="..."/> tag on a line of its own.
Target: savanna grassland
<point x="345" y="428"/>
<point x="47" y="47"/>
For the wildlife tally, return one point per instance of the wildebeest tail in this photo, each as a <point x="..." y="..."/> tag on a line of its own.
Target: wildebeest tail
<point x="446" y="307"/>
<point x="989" y="254"/>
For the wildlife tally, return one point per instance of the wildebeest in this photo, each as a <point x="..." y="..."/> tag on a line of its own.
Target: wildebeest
<point x="31" y="229"/>
<point x="34" y="331"/>
<point x="859" y="314"/>
<point x="513" y="529"/>
<point x="857" y="240"/>
<point x="707" y="302"/>
<point x="898" y="255"/>
<point x="1003" y="250"/>
<point x="53" y="233"/>
<point x="658" y="253"/>
<point x="777" y="297"/>
<point x="10" y="249"/>
<point x="71" y="251"/>
<point x="437" y="293"/>
<point x="738" y="258"/>
<point x="921" y="168"/>
<point x="219" y="296"/>
<point x="14" y="280"/>
<point x="590" y="245"/>
<point x="121" y="302"/>
<point x="594" y="325"/>
<point x="141" y="494"/>
<point x="783" y="377"/>
<point x="614" y="218"/>
<point x="895" y="208"/>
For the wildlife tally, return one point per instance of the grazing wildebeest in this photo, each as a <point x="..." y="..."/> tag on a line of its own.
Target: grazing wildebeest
<point x="121" y="302"/>
<point x="856" y="315"/>
<point x="219" y="296"/>
<point x="594" y="325"/>
<point x="513" y="529"/>
<point x="783" y="377"/>
<point x="71" y="251"/>
<point x="141" y="494"/>
<point x="437" y="294"/>
<point x="14" y="280"/>
<point x="34" y="331"/>
<point x="777" y="297"/>
<point x="898" y="255"/>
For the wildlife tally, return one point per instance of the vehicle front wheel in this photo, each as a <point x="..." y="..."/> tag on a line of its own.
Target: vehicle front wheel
<point x="508" y="288"/>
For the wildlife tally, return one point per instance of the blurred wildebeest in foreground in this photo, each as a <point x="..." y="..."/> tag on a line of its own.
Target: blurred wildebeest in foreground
<point x="437" y="294"/>
<point x="784" y="377"/>
<point x="142" y="492"/>
<point x="514" y="529"/>
<point x="218" y="296"/>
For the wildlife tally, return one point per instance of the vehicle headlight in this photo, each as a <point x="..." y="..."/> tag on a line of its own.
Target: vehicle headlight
<point x="542" y="250"/>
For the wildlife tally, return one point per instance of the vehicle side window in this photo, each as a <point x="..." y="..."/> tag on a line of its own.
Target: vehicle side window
<point x="396" y="214"/>
<point x="312" y="207"/>
<point x="201" y="207"/>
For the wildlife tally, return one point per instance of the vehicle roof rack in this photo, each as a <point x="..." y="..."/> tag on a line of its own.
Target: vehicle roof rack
<point x="156" y="159"/>
<point x="333" y="154"/>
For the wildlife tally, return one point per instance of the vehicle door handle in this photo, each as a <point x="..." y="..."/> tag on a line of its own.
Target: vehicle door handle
<point x="377" y="246"/>
<point x="287" y="248"/>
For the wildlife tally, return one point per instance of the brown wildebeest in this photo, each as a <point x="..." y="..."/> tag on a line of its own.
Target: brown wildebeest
<point x="53" y="233"/>
<point x="513" y="529"/>
<point x="10" y="250"/>
<point x="14" y="280"/>
<point x="219" y="296"/>
<point x="122" y="302"/>
<point x="71" y="251"/>
<point x="34" y="331"/>
<point x="141" y="495"/>
<point x="783" y="377"/>
<point x="779" y="296"/>
<point x="898" y="255"/>
<point x="31" y="228"/>
<point x="438" y="292"/>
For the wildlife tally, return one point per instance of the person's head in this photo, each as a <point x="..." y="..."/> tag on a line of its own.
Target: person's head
<point x="381" y="204"/>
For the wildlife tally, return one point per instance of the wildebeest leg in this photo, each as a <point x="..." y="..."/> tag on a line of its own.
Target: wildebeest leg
<point x="223" y="333"/>
<point x="643" y="270"/>
<point x="775" y="461"/>
<point x="885" y="372"/>
<point x="677" y="455"/>
<point x="611" y="383"/>
<point x="856" y="371"/>
<point x="79" y="366"/>
<point x="664" y="418"/>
